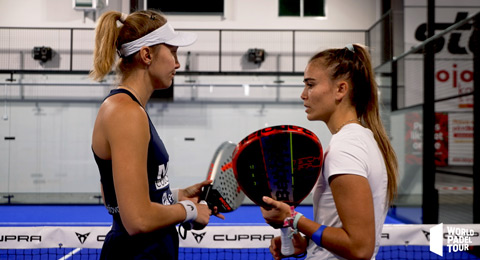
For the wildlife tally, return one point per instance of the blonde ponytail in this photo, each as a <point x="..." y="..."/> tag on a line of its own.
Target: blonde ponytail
<point x="105" y="51"/>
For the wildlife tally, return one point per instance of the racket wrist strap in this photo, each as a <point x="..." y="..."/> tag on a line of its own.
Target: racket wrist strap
<point x="175" y="195"/>
<point x="296" y="219"/>
<point x="317" y="236"/>
<point x="190" y="209"/>
<point x="292" y="222"/>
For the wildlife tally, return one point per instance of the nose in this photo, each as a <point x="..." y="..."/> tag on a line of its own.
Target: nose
<point x="303" y="96"/>
<point x="177" y="63"/>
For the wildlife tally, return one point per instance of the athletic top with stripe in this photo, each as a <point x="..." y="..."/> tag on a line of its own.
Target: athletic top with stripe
<point x="144" y="246"/>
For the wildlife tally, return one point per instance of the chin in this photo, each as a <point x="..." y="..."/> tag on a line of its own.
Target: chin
<point x="169" y="84"/>
<point x="313" y="118"/>
<point x="162" y="86"/>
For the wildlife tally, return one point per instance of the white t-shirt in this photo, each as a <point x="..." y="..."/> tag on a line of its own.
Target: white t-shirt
<point x="353" y="150"/>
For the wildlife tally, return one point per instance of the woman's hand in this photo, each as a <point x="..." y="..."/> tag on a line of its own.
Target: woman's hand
<point x="299" y="243"/>
<point x="276" y="213"/>
<point x="203" y="215"/>
<point x="193" y="193"/>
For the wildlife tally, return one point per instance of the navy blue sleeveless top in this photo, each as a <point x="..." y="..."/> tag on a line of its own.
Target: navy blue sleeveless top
<point x="163" y="241"/>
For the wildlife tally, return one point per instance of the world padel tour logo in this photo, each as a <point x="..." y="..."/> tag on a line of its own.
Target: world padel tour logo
<point x="458" y="239"/>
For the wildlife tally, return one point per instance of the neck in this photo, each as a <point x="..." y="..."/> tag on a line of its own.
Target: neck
<point x="137" y="93"/>
<point x="139" y="84"/>
<point x="341" y="118"/>
<point x="353" y="120"/>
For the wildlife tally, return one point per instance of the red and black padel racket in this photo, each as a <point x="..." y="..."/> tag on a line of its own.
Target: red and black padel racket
<point x="282" y="162"/>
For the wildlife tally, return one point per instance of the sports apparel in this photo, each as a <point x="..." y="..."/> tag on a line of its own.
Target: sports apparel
<point x="353" y="150"/>
<point x="160" y="244"/>
<point x="164" y="34"/>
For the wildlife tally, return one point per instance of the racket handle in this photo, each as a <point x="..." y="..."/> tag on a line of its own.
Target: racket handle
<point x="287" y="248"/>
<point x="187" y="225"/>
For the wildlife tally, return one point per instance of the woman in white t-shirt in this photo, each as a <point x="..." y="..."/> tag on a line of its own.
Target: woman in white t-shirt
<point x="358" y="179"/>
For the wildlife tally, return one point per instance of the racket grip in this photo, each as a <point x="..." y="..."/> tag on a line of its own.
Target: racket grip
<point x="287" y="248"/>
<point x="187" y="225"/>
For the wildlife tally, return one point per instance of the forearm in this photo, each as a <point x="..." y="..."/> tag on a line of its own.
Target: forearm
<point x="154" y="216"/>
<point x="350" y="245"/>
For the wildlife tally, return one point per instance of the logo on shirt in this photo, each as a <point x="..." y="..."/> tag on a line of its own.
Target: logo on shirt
<point x="112" y="210"/>
<point x="167" y="198"/>
<point x="162" y="178"/>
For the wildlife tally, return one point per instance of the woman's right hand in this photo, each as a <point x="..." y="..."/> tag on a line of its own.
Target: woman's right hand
<point x="203" y="215"/>
<point x="299" y="243"/>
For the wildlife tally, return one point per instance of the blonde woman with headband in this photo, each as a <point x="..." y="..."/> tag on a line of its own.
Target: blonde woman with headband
<point x="131" y="157"/>
<point x="358" y="179"/>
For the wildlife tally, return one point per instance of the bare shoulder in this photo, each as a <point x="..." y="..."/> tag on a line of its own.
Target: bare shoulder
<point x="121" y="109"/>
<point x="119" y="120"/>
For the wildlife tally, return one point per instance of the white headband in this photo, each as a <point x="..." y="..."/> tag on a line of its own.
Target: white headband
<point x="164" y="34"/>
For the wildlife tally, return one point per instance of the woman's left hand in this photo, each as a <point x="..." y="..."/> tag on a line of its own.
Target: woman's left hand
<point x="193" y="193"/>
<point x="277" y="213"/>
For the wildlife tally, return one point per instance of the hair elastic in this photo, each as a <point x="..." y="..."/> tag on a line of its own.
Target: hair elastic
<point x="123" y="17"/>
<point x="317" y="236"/>
<point x="350" y="47"/>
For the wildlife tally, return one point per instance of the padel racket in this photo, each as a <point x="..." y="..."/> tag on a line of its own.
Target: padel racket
<point x="224" y="192"/>
<point x="282" y="162"/>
